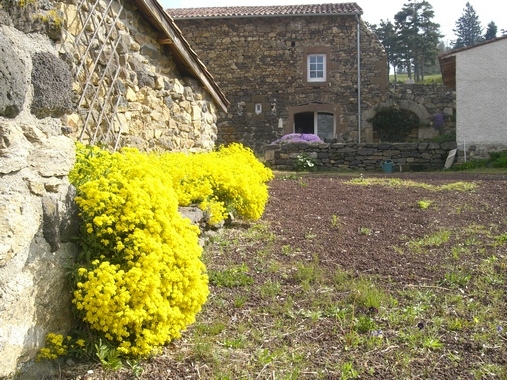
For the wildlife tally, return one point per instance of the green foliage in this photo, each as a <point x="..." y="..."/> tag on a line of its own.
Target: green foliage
<point x="424" y="204"/>
<point x="418" y="37"/>
<point x="468" y="28"/>
<point x="347" y="371"/>
<point x="496" y="160"/>
<point x="108" y="356"/>
<point x="140" y="280"/>
<point x="394" y="124"/>
<point x="472" y="164"/>
<point x="304" y="162"/>
<point x="231" y="277"/>
<point x="444" y="138"/>
<point x="491" y="31"/>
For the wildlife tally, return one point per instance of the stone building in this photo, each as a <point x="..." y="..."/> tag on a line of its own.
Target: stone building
<point x="137" y="82"/>
<point x="103" y="72"/>
<point x="305" y="68"/>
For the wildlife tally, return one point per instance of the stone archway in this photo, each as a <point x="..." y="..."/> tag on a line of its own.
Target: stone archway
<point x="425" y="131"/>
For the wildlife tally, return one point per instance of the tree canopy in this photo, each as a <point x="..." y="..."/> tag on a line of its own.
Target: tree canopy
<point x="491" y="31"/>
<point x="468" y="28"/>
<point x="411" y="42"/>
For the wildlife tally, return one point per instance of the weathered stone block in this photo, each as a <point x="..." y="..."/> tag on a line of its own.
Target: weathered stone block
<point x="12" y="83"/>
<point x="52" y="85"/>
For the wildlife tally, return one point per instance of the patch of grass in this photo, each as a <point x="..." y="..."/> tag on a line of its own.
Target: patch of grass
<point x="270" y="289"/>
<point x="336" y="221"/>
<point x="398" y="182"/>
<point x="457" y="278"/>
<point x="348" y="372"/>
<point x="308" y="273"/>
<point x="424" y="204"/>
<point x="365" y="231"/>
<point x="237" y="276"/>
<point x="434" y="240"/>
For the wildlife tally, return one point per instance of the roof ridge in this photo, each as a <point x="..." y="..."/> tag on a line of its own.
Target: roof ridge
<point x="348" y="8"/>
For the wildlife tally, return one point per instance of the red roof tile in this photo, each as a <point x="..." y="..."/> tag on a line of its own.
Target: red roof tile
<point x="265" y="11"/>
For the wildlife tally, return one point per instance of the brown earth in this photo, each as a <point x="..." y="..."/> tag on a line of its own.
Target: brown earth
<point x="367" y="231"/>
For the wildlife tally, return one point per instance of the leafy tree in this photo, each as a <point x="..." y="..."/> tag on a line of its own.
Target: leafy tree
<point x="491" y="31"/>
<point x="386" y="33"/>
<point x="418" y="37"/>
<point x="468" y="28"/>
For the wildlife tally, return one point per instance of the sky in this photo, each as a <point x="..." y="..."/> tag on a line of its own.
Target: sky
<point x="447" y="12"/>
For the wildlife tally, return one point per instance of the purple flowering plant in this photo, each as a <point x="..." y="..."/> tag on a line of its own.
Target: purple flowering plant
<point x="438" y="120"/>
<point x="298" y="138"/>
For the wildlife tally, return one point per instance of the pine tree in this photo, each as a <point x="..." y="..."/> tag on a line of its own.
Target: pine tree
<point x="386" y="34"/>
<point x="418" y="37"/>
<point x="491" y="31"/>
<point x="468" y="28"/>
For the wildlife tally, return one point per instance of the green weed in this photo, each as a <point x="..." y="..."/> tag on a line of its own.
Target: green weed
<point x="364" y="231"/>
<point x="424" y="204"/>
<point x="434" y="240"/>
<point x="229" y="278"/>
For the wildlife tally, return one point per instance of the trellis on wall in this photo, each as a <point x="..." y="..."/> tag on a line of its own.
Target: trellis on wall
<point x="96" y="37"/>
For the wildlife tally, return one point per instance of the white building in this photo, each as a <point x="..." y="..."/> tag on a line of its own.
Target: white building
<point x="479" y="76"/>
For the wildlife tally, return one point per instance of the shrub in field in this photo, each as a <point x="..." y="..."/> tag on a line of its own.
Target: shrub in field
<point x="140" y="280"/>
<point x="228" y="180"/>
<point x="498" y="159"/>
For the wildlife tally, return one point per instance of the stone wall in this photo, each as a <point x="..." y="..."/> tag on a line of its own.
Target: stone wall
<point x="261" y="60"/>
<point x="427" y="101"/>
<point x="148" y="103"/>
<point x="406" y="156"/>
<point x="37" y="215"/>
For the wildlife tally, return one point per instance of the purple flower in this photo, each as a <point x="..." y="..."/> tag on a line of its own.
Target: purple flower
<point x="298" y="138"/>
<point x="438" y="120"/>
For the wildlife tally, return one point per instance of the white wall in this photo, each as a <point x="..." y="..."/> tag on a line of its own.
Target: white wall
<point x="481" y="96"/>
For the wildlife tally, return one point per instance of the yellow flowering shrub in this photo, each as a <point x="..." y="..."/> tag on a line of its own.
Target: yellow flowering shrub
<point x="141" y="281"/>
<point x="228" y="180"/>
<point x="55" y="347"/>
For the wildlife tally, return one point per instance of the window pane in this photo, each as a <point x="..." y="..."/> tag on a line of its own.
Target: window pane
<point x="317" y="67"/>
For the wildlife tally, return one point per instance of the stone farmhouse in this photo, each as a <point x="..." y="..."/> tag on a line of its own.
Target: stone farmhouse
<point x="290" y="69"/>
<point x="477" y="74"/>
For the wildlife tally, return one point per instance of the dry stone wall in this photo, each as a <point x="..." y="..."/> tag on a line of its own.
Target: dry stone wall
<point x="127" y="88"/>
<point x="367" y="157"/>
<point x="37" y="215"/>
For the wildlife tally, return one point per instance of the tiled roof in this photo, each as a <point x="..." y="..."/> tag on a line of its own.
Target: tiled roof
<point x="267" y="11"/>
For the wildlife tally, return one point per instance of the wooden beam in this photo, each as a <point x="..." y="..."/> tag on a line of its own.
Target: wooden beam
<point x="165" y="41"/>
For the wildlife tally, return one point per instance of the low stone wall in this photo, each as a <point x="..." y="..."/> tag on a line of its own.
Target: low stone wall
<point x="406" y="156"/>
